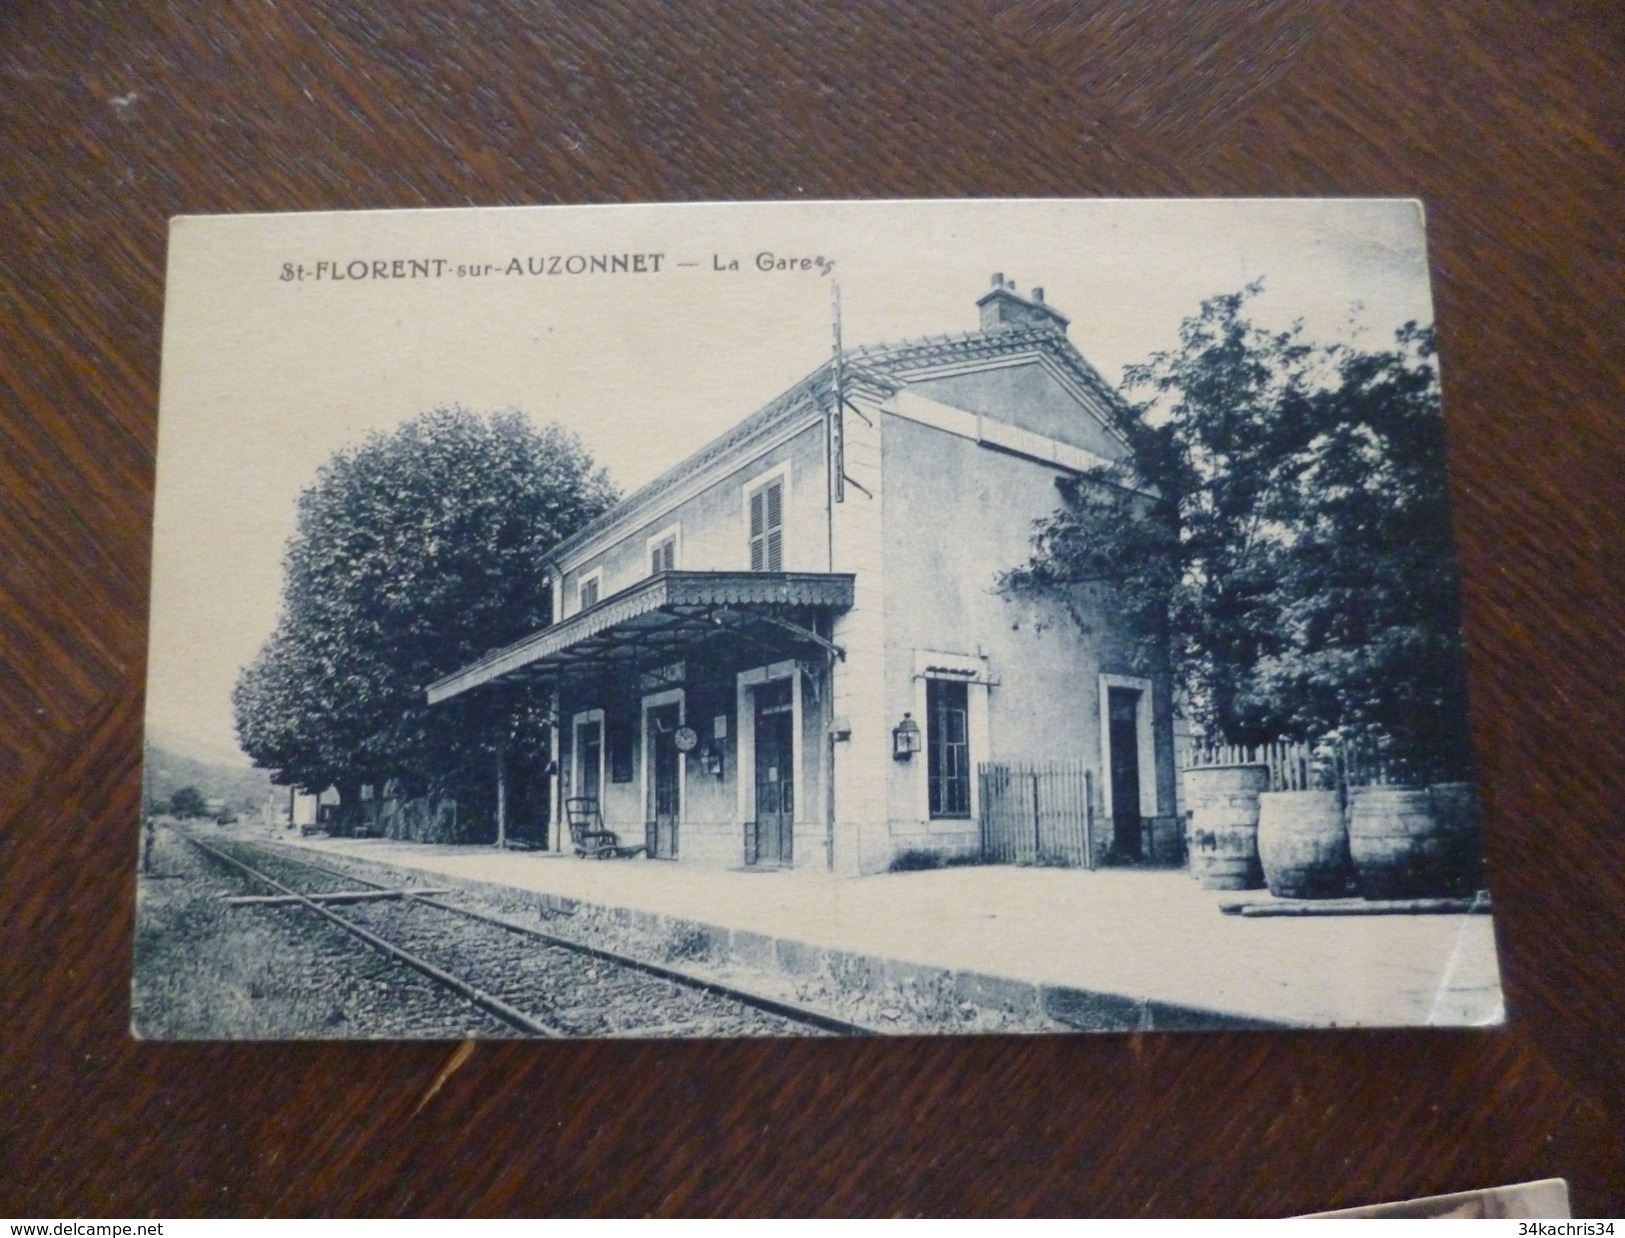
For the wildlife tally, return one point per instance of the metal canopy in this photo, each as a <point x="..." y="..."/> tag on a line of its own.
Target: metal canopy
<point x="662" y="619"/>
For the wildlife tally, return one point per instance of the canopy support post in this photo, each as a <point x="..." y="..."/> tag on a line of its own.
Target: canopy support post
<point x="555" y="800"/>
<point x="502" y="800"/>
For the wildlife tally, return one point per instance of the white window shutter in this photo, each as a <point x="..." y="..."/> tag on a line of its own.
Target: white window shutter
<point x="775" y="527"/>
<point x="758" y="516"/>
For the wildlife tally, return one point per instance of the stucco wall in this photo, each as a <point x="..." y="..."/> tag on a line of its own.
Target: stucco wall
<point x="1027" y="396"/>
<point x="955" y="514"/>
<point x="714" y="528"/>
<point x="863" y="755"/>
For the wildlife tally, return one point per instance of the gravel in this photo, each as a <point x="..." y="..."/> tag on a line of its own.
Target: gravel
<point x="576" y="994"/>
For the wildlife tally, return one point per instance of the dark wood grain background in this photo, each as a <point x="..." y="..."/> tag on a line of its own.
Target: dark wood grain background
<point x="1508" y="122"/>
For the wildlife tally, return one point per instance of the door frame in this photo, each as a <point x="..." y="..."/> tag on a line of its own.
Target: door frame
<point x="745" y="761"/>
<point x="657" y="700"/>
<point x="1145" y="742"/>
<point x="586" y="718"/>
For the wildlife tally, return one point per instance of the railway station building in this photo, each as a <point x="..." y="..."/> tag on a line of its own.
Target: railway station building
<point x="791" y="650"/>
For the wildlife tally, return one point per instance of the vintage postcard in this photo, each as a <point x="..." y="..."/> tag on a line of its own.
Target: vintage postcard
<point x="1547" y="1199"/>
<point x="806" y="618"/>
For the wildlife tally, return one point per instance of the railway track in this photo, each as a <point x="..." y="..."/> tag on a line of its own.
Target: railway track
<point x="535" y="982"/>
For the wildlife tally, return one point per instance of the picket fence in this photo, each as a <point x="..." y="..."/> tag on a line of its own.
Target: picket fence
<point x="1297" y="766"/>
<point x="1037" y="813"/>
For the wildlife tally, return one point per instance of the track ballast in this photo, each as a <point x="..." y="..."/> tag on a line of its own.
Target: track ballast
<point x="523" y="980"/>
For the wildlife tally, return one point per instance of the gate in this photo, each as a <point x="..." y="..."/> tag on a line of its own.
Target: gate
<point x="1038" y="813"/>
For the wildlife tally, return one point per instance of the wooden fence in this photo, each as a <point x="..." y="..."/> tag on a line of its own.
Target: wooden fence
<point x="1040" y="813"/>
<point x="1296" y="766"/>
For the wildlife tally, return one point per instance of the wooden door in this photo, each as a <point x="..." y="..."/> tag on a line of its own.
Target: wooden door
<point x="1123" y="708"/>
<point x="665" y="794"/>
<point x="775" y="772"/>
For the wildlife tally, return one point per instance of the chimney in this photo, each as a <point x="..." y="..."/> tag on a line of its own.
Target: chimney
<point x="1003" y="309"/>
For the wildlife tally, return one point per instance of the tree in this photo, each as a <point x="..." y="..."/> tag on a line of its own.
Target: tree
<point x="188" y="802"/>
<point x="416" y="553"/>
<point x="1280" y="532"/>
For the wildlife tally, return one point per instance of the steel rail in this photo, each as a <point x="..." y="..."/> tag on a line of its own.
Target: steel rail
<point x="768" y="1005"/>
<point x="486" y="1001"/>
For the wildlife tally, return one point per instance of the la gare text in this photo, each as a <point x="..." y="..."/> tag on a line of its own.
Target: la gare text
<point x="374" y="269"/>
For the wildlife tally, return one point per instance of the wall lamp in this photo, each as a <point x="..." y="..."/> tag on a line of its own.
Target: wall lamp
<point x="905" y="738"/>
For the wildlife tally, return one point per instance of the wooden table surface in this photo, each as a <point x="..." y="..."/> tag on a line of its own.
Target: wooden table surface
<point x="1508" y="124"/>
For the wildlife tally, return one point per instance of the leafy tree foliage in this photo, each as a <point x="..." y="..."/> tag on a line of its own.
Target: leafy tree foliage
<point x="188" y="802"/>
<point x="1280" y="530"/>
<point x="416" y="553"/>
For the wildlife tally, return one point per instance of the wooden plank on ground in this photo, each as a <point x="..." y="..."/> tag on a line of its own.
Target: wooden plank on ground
<point x="336" y="896"/>
<point x="1359" y="907"/>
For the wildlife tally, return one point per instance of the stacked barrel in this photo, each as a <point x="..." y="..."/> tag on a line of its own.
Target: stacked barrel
<point x="1382" y="842"/>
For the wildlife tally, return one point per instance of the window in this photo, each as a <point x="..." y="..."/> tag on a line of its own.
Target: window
<point x="767" y="527"/>
<point x="663" y="556"/>
<point x="664" y="547"/>
<point x="948" y="743"/>
<point x="587" y="590"/>
<point x="621" y="737"/>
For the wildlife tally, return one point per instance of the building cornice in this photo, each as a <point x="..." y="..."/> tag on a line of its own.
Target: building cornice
<point x="969" y="352"/>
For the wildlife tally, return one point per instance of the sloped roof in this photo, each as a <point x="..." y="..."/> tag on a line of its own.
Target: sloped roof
<point x="881" y="369"/>
<point x="804" y="397"/>
<point x="908" y="356"/>
<point x="661" y="619"/>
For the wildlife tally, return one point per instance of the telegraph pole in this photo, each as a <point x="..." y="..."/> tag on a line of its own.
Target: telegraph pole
<point x="837" y="416"/>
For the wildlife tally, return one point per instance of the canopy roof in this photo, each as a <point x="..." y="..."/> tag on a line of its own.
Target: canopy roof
<point x="662" y="619"/>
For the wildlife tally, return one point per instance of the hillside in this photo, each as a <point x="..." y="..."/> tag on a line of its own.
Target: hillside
<point x="244" y="788"/>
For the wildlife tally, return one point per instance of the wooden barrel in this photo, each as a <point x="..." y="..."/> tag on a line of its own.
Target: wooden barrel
<point x="1303" y="844"/>
<point x="1165" y="841"/>
<point x="1455" y="807"/>
<point x="1399" y="848"/>
<point x="1223" y="839"/>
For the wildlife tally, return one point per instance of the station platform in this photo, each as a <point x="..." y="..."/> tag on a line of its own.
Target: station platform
<point x="1119" y="948"/>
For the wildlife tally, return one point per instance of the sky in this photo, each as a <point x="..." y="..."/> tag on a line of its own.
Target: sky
<point x="271" y="365"/>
